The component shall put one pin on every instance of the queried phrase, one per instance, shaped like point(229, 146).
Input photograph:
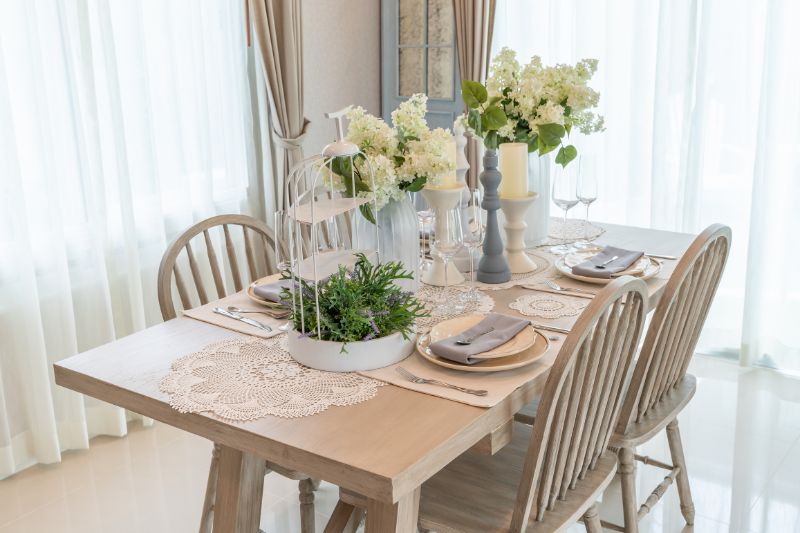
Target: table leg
point(240, 486)
point(400, 517)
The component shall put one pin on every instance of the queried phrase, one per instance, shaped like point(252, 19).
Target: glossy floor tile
point(741, 437)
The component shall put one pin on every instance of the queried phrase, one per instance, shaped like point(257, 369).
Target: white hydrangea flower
point(409, 117)
point(396, 155)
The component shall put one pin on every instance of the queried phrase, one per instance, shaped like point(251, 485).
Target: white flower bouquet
point(403, 158)
point(533, 104)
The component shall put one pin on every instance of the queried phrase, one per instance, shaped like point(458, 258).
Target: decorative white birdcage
point(316, 207)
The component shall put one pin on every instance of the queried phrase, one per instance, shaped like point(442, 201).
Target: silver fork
point(416, 379)
point(556, 287)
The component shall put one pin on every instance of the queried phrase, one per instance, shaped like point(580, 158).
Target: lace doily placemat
point(576, 231)
point(248, 378)
point(548, 305)
point(432, 296)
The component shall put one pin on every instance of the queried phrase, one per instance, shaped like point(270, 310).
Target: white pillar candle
point(514, 168)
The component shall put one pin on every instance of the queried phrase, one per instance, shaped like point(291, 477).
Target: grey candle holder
point(493, 267)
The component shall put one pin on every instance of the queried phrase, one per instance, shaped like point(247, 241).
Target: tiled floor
point(741, 434)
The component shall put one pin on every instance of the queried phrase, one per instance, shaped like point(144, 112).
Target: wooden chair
point(258, 244)
point(660, 387)
point(551, 474)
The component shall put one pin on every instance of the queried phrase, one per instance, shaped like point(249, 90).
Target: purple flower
point(374, 327)
point(369, 337)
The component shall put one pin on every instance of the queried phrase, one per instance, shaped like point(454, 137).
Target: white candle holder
point(514, 211)
point(442, 199)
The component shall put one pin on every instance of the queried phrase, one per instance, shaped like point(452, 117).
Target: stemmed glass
point(564, 196)
point(283, 247)
point(474, 232)
point(586, 193)
point(447, 242)
point(425, 219)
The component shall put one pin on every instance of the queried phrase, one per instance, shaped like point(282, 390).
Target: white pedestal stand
point(514, 211)
point(442, 200)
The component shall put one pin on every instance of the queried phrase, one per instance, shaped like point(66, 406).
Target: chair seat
point(656, 419)
point(478, 492)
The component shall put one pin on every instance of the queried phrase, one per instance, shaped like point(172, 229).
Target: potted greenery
point(366, 320)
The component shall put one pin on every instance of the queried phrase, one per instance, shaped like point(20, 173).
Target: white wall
point(341, 58)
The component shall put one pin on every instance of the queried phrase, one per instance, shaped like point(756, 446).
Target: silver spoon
point(468, 340)
point(604, 263)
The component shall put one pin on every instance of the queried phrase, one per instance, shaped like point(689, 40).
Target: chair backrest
point(678, 319)
point(582, 398)
point(258, 242)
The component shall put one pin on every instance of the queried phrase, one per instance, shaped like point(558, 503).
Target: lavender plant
point(358, 305)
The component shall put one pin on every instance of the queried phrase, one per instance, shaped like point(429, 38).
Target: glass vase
point(398, 231)
point(538, 215)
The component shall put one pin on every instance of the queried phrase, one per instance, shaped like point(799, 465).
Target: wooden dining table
point(384, 448)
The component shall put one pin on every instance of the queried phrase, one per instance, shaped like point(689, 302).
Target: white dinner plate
point(644, 268)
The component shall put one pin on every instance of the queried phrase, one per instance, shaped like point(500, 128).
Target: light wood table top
point(384, 448)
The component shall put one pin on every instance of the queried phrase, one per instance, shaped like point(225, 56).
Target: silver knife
point(240, 318)
point(549, 328)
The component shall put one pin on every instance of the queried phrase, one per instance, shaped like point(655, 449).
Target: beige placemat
point(205, 313)
point(499, 384)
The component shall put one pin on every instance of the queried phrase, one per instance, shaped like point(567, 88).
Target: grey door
point(418, 55)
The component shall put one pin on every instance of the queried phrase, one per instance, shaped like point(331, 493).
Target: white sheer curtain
point(122, 123)
point(702, 110)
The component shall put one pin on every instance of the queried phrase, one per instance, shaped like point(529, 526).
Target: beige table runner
point(205, 313)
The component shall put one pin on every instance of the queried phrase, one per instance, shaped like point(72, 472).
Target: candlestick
point(492, 267)
point(514, 168)
point(441, 199)
point(514, 210)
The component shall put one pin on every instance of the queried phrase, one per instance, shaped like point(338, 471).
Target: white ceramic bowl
point(362, 355)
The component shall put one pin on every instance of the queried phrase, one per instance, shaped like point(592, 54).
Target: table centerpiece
point(359, 319)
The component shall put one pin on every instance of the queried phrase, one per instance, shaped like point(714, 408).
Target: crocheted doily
point(548, 305)
point(246, 378)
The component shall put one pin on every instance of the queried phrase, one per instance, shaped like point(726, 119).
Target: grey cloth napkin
point(272, 291)
point(589, 267)
point(505, 328)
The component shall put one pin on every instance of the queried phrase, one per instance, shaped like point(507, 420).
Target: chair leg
point(306, 506)
point(591, 519)
point(207, 518)
point(627, 471)
point(682, 481)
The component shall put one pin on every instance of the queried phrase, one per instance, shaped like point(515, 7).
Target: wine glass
point(425, 219)
point(283, 248)
point(447, 242)
point(586, 193)
point(474, 232)
point(564, 195)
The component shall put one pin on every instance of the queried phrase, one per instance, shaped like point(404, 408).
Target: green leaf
point(493, 100)
point(551, 134)
point(566, 154)
point(533, 143)
point(545, 148)
point(568, 127)
point(494, 118)
point(474, 121)
point(474, 93)
point(366, 210)
point(416, 185)
point(491, 141)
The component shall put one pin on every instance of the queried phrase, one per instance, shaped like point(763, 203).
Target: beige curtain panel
point(279, 34)
point(474, 21)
